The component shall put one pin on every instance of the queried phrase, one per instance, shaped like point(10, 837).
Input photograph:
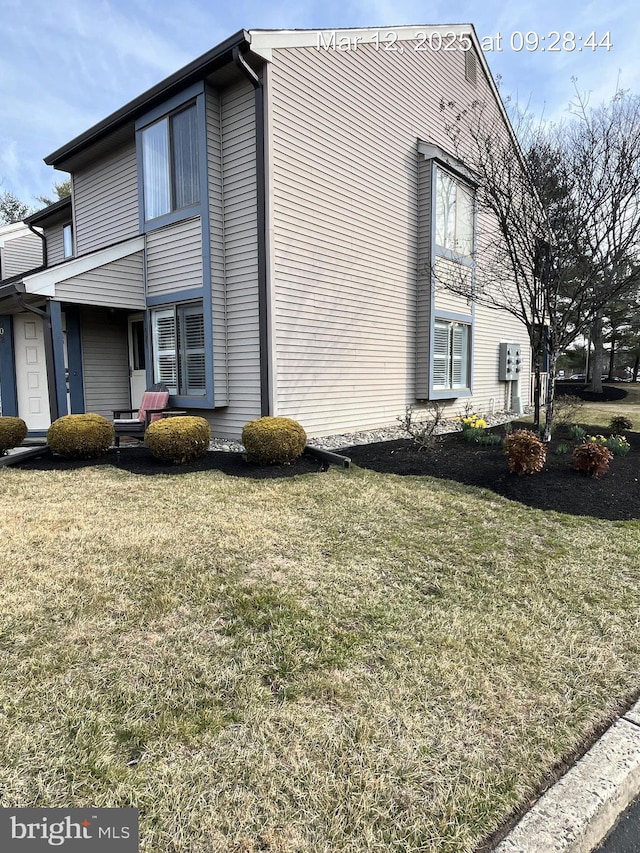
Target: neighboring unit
point(260, 232)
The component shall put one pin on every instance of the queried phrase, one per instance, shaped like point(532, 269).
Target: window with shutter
point(165, 350)
point(192, 350)
point(450, 355)
point(179, 355)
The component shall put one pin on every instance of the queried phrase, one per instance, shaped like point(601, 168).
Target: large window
point(178, 348)
point(451, 347)
point(170, 163)
point(454, 215)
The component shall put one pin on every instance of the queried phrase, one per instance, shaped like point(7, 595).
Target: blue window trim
point(195, 93)
point(54, 310)
point(74, 353)
point(207, 401)
point(176, 296)
point(451, 393)
point(7, 368)
point(439, 314)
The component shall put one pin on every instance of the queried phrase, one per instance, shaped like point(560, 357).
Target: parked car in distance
point(578, 377)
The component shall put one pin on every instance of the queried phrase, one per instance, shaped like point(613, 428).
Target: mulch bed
point(138, 460)
point(615, 496)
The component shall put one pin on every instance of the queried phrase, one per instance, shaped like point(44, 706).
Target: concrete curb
point(576, 813)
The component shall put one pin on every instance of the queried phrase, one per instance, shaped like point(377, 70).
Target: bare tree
point(566, 204)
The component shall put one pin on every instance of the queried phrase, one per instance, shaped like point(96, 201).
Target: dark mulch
point(615, 496)
point(138, 460)
point(610, 393)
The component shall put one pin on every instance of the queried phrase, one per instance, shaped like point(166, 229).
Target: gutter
point(44, 242)
point(261, 196)
point(196, 70)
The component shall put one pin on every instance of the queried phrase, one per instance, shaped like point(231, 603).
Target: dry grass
point(343, 662)
point(600, 414)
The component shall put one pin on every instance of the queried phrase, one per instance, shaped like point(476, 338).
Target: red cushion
point(152, 400)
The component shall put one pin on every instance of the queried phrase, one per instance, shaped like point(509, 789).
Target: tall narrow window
point(67, 240)
point(170, 163)
point(179, 348)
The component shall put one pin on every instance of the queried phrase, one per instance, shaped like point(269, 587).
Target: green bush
point(525, 453)
point(618, 445)
point(592, 458)
point(620, 424)
point(179, 439)
point(12, 433)
point(273, 441)
point(80, 436)
point(577, 433)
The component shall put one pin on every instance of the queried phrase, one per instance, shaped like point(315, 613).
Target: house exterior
point(260, 232)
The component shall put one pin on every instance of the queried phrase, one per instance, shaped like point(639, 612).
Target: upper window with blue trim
point(170, 158)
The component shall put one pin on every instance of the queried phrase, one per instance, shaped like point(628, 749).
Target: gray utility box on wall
point(510, 362)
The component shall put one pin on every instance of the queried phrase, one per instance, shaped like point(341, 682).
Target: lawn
point(339, 662)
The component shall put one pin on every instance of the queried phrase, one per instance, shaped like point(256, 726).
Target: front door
point(31, 371)
point(137, 358)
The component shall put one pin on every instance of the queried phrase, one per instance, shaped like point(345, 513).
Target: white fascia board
point(44, 283)
point(12, 231)
point(263, 42)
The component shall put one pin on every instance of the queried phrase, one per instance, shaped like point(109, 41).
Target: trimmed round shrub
point(273, 441)
point(525, 453)
point(80, 436)
point(178, 440)
point(592, 459)
point(12, 433)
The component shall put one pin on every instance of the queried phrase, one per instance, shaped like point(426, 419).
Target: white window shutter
point(193, 350)
point(165, 355)
point(441, 350)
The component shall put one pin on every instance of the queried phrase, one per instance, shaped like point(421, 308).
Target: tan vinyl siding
point(55, 244)
point(174, 258)
point(238, 146)
point(119, 284)
point(105, 361)
point(105, 201)
point(216, 220)
point(21, 254)
point(346, 227)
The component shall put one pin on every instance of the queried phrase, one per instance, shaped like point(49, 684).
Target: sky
point(66, 64)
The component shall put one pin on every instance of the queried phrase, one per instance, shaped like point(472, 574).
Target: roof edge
point(196, 69)
point(51, 210)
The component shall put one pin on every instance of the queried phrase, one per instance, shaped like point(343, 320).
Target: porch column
point(54, 316)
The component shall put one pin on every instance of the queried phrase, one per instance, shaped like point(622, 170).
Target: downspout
point(44, 243)
point(261, 195)
point(48, 353)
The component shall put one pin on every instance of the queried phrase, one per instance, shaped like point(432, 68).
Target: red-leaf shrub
point(592, 459)
point(525, 453)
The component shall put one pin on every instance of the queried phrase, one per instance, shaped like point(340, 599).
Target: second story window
point(67, 240)
point(454, 216)
point(170, 163)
